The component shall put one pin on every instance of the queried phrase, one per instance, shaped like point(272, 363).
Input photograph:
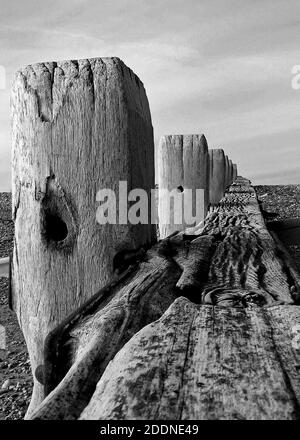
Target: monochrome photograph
point(149, 215)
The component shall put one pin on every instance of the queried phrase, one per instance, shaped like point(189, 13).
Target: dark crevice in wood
point(17, 202)
point(186, 359)
point(58, 224)
point(40, 374)
point(55, 228)
point(125, 258)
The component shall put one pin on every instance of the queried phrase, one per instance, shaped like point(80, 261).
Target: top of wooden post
point(49, 83)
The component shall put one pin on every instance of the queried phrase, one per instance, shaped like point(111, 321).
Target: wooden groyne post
point(183, 163)
point(227, 172)
point(202, 325)
point(217, 178)
point(78, 127)
point(230, 172)
point(234, 171)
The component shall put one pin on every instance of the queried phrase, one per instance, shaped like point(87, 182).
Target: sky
point(218, 67)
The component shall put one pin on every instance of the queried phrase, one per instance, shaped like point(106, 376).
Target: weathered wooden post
point(183, 164)
point(234, 172)
point(217, 177)
point(226, 172)
point(78, 127)
point(230, 171)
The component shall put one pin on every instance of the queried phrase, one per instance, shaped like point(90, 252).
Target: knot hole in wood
point(58, 225)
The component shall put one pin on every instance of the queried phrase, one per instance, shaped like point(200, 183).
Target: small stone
point(5, 384)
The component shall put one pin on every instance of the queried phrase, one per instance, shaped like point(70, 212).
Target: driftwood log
point(78, 127)
point(204, 327)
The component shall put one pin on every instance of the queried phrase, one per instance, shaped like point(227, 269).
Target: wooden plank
point(203, 362)
point(226, 348)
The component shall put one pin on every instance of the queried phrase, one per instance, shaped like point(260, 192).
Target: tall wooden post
point(183, 163)
point(230, 171)
point(78, 127)
point(226, 172)
point(217, 179)
point(234, 172)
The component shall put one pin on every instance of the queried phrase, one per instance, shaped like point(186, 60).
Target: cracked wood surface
point(217, 175)
point(182, 163)
point(202, 328)
point(70, 117)
point(202, 362)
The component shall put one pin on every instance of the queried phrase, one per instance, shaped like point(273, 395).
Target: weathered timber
point(183, 163)
point(217, 175)
point(203, 328)
point(234, 172)
point(78, 127)
point(227, 172)
point(230, 172)
point(200, 362)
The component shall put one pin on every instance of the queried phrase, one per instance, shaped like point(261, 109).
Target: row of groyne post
point(185, 162)
point(79, 127)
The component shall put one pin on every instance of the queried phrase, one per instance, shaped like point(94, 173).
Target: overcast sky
point(220, 67)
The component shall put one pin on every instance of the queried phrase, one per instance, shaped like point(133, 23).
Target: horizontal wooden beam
point(206, 326)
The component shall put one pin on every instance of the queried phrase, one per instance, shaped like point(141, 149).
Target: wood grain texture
point(183, 163)
point(230, 172)
point(204, 327)
point(78, 127)
point(226, 172)
point(234, 172)
point(205, 363)
point(217, 176)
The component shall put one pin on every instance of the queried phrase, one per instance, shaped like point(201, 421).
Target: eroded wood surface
point(70, 117)
point(217, 175)
point(183, 163)
point(203, 327)
point(203, 362)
